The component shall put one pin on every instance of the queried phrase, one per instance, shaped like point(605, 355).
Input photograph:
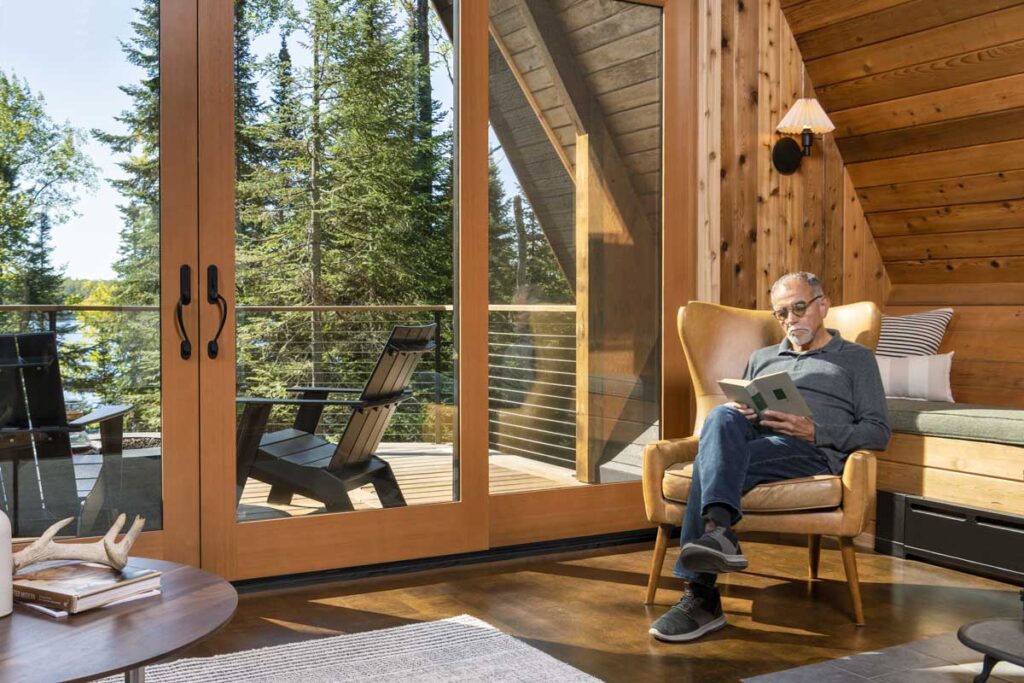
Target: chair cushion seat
point(822, 491)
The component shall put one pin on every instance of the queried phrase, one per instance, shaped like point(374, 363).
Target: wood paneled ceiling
point(928, 101)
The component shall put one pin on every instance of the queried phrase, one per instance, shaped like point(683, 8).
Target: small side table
point(1000, 640)
point(192, 605)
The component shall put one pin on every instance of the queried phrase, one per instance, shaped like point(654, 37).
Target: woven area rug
point(458, 649)
point(942, 659)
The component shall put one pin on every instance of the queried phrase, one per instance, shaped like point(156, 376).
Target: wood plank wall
point(928, 101)
point(769, 223)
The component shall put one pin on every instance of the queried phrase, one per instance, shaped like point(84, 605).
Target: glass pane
point(79, 264)
point(344, 140)
point(575, 233)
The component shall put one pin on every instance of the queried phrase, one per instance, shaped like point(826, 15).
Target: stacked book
point(62, 588)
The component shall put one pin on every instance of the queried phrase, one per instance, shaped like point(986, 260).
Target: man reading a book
point(840, 382)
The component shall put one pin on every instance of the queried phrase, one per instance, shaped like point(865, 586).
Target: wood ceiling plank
point(997, 156)
point(947, 72)
point(647, 41)
point(987, 187)
point(976, 33)
point(814, 14)
point(997, 126)
point(631, 96)
point(588, 12)
point(955, 218)
point(972, 319)
point(633, 19)
point(973, 244)
point(1007, 270)
point(990, 294)
point(623, 75)
point(891, 22)
point(941, 105)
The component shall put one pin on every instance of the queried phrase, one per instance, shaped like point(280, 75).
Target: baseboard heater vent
point(977, 541)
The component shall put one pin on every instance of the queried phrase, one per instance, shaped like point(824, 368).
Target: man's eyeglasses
point(799, 309)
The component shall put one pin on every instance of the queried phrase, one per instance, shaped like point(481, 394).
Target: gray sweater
point(842, 386)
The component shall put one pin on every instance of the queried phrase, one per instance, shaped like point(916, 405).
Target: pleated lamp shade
point(805, 114)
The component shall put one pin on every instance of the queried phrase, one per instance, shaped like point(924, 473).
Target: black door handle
point(184, 299)
point(213, 296)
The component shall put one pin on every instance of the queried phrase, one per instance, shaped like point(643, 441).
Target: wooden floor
point(586, 609)
point(425, 475)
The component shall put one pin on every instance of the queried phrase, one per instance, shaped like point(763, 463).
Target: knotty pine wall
point(755, 223)
point(928, 101)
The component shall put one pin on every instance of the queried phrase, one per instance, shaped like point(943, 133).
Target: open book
point(767, 392)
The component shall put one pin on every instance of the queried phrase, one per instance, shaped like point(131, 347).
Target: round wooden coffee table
point(193, 604)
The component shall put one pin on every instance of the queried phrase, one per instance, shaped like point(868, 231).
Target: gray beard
point(800, 338)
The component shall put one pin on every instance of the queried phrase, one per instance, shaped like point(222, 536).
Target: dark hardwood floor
point(586, 609)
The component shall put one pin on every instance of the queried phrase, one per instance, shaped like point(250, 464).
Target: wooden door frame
point(534, 516)
point(178, 539)
point(317, 542)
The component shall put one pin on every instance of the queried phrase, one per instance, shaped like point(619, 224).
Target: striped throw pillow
point(921, 377)
point(916, 334)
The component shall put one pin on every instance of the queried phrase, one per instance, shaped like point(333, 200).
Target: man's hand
point(746, 411)
point(789, 424)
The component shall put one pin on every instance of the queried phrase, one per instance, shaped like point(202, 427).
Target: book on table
point(79, 586)
point(767, 392)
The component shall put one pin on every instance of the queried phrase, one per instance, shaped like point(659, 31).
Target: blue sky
point(68, 50)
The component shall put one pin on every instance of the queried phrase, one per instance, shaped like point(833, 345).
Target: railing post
point(438, 412)
point(52, 315)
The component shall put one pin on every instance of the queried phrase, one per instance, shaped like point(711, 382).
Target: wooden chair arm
point(324, 390)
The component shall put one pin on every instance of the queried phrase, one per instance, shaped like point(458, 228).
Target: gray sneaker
point(691, 618)
point(716, 552)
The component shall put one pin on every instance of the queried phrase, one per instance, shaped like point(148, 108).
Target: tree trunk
point(314, 236)
point(517, 206)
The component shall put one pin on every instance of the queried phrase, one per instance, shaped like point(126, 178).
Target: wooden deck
point(425, 474)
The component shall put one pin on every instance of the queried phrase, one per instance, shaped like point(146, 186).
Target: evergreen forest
point(344, 196)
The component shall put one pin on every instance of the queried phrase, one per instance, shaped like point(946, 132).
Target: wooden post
point(588, 212)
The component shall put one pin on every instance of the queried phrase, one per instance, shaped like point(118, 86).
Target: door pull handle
point(184, 299)
point(214, 296)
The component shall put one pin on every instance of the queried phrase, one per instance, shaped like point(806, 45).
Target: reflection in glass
point(575, 232)
point(343, 248)
point(79, 265)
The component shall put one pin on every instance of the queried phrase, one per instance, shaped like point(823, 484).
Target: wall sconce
point(805, 118)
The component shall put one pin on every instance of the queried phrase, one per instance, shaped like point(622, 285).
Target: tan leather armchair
point(717, 341)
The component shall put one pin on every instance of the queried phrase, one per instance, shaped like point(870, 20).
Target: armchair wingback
point(717, 341)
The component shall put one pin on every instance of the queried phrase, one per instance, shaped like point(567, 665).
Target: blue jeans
point(735, 456)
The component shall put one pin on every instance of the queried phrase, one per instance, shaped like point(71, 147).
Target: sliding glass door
point(98, 411)
point(330, 251)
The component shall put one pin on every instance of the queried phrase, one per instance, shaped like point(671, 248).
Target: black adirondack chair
point(298, 461)
point(39, 484)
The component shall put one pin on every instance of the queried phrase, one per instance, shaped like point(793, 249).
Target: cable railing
point(111, 354)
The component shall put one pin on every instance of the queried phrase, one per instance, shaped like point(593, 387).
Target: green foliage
point(344, 195)
point(41, 169)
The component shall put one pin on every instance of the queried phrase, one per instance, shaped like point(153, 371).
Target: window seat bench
point(961, 453)
point(951, 487)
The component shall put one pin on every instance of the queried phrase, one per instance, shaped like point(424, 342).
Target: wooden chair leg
point(660, 546)
point(813, 554)
point(850, 564)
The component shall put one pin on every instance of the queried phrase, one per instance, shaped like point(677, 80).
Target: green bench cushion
point(957, 421)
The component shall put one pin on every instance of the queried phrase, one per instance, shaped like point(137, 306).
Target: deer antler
point(104, 551)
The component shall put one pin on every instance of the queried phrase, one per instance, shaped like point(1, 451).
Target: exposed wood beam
point(583, 108)
point(532, 100)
